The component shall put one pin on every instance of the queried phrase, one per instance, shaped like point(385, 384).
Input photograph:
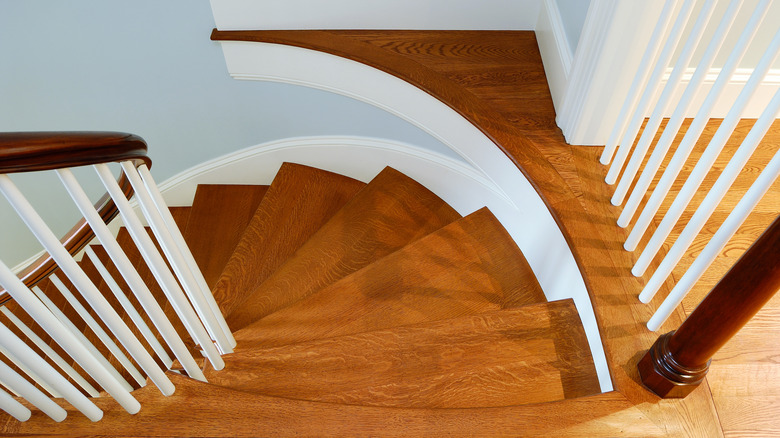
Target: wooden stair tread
point(211, 234)
point(533, 354)
point(388, 213)
point(181, 215)
point(199, 409)
point(298, 202)
point(470, 266)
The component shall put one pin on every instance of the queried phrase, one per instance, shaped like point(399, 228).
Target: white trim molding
point(554, 47)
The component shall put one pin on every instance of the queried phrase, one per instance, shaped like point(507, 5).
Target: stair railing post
point(678, 361)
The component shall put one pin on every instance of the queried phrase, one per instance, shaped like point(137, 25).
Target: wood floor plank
point(213, 411)
point(468, 267)
point(181, 215)
point(298, 202)
point(211, 233)
point(390, 212)
point(500, 358)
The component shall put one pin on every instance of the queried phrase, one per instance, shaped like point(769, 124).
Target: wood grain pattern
point(468, 267)
point(387, 214)
point(211, 234)
point(213, 411)
point(298, 202)
point(501, 358)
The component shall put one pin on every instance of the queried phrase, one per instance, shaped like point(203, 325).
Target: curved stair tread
point(387, 214)
point(211, 234)
point(298, 202)
point(533, 354)
point(200, 409)
point(470, 266)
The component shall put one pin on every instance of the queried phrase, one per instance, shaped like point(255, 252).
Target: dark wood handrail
point(33, 151)
point(678, 361)
point(36, 151)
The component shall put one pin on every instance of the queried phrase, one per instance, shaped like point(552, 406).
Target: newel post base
point(663, 375)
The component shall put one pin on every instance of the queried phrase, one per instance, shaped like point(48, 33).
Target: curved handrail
point(37, 151)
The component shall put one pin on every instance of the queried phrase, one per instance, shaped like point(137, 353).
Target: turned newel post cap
point(664, 376)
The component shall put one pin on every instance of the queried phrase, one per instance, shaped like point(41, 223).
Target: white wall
point(573, 13)
point(376, 14)
point(148, 67)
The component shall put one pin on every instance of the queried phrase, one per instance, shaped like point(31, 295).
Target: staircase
point(359, 309)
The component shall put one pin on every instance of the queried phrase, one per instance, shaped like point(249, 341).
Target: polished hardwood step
point(470, 266)
point(298, 202)
point(211, 234)
point(533, 354)
point(200, 409)
point(387, 214)
point(181, 215)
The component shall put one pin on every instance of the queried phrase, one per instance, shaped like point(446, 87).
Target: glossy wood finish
point(33, 151)
point(678, 361)
point(496, 80)
point(213, 411)
point(470, 266)
point(211, 234)
point(390, 212)
point(501, 358)
point(299, 201)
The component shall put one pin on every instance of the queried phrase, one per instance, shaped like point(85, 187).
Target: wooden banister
point(678, 361)
point(37, 151)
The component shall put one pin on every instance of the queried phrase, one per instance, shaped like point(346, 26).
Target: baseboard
point(557, 55)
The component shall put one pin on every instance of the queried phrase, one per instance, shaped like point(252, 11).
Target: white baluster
point(99, 332)
point(159, 268)
point(31, 373)
point(717, 242)
point(31, 360)
point(707, 159)
point(12, 380)
point(13, 407)
point(176, 258)
point(49, 352)
point(694, 130)
point(189, 259)
point(713, 198)
point(651, 127)
point(640, 79)
point(81, 339)
point(627, 141)
point(134, 281)
point(84, 285)
point(128, 307)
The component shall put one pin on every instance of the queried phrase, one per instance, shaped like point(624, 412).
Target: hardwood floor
point(496, 80)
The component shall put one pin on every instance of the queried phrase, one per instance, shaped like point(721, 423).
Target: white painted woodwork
point(50, 353)
point(22, 295)
point(190, 265)
point(31, 360)
point(29, 392)
point(134, 281)
point(159, 268)
point(13, 407)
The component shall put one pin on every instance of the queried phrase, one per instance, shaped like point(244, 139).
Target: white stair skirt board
point(512, 198)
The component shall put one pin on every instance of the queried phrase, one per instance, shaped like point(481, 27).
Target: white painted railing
point(40, 374)
point(634, 150)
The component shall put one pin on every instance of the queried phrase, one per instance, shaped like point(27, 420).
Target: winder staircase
point(362, 309)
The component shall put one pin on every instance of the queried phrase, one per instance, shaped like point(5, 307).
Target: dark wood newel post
point(678, 361)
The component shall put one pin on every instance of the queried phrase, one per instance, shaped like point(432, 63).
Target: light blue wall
point(148, 67)
point(573, 14)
